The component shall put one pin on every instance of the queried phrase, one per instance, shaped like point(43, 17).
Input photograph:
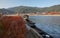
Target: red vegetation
point(51, 13)
point(54, 13)
point(14, 27)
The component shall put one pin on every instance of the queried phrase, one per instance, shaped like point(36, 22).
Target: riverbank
point(28, 14)
point(44, 15)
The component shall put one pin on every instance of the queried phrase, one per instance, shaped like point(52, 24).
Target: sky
point(32, 3)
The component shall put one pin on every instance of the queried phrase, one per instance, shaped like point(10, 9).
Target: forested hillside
point(27, 9)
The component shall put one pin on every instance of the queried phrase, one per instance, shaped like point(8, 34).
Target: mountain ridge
point(28, 9)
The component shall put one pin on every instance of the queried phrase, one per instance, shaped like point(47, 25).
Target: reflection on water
point(50, 24)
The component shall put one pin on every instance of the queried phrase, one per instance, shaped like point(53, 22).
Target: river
point(49, 24)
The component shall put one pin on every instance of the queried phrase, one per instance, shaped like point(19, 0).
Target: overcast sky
point(33, 3)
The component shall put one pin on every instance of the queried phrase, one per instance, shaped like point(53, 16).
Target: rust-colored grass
point(14, 27)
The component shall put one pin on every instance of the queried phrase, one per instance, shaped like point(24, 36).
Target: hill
point(27, 9)
point(6, 11)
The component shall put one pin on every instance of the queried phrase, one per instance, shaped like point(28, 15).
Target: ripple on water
point(50, 24)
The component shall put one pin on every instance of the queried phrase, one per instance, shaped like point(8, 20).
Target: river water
point(49, 24)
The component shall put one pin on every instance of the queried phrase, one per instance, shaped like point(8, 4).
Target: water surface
point(50, 24)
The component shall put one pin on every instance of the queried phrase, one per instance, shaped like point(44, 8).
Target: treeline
point(27, 9)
